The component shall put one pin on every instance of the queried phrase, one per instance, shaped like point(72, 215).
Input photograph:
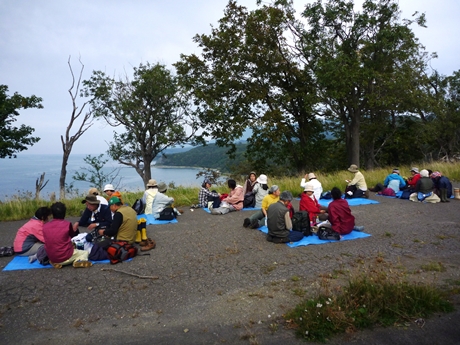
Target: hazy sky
point(37, 37)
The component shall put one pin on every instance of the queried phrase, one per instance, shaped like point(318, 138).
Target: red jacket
point(340, 217)
point(412, 181)
point(58, 244)
point(310, 205)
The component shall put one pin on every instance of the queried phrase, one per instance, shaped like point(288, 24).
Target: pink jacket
point(28, 234)
point(236, 198)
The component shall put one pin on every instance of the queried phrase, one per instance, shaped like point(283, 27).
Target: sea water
point(19, 175)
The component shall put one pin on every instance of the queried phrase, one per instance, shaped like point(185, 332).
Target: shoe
point(254, 225)
point(358, 228)
point(366, 194)
point(56, 265)
point(82, 263)
point(246, 222)
point(9, 251)
point(2, 251)
point(143, 243)
point(150, 245)
point(215, 212)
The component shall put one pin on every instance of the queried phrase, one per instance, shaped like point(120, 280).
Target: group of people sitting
point(276, 209)
point(423, 186)
point(49, 238)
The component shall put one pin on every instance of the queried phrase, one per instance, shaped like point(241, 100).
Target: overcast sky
point(38, 36)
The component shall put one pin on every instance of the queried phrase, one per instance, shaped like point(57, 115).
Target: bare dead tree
point(85, 118)
point(39, 185)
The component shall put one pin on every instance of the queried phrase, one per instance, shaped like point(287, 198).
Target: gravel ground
point(217, 282)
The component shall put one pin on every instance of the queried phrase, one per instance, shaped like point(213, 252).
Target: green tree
point(368, 66)
point(152, 110)
point(14, 139)
point(94, 174)
point(249, 75)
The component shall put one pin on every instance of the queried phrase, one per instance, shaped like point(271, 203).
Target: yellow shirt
point(268, 200)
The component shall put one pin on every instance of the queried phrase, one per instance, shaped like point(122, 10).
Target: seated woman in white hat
point(318, 187)
point(149, 195)
point(260, 190)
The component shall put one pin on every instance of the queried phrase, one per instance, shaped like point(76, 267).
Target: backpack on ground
point(326, 233)
point(326, 195)
point(120, 251)
point(139, 206)
point(249, 200)
point(167, 214)
point(301, 222)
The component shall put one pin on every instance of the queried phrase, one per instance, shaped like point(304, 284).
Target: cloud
point(38, 36)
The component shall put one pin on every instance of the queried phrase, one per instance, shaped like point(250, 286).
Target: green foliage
point(14, 139)
point(375, 297)
point(96, 176)
point(152, 110)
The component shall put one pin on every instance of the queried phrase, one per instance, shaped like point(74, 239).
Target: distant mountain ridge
point(209, 156)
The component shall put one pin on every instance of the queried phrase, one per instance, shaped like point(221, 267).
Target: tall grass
point(24, 207)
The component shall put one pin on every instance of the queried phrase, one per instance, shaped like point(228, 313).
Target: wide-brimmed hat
point(311, 175)
point(152, 183)
point(93, 191)
point(262, 179)
point(91, 199)
point(108, 187)
point(353, 168)
point(414, 169)
point(309, 187)
point(114, 200)
point(396, 170)
point(162, 187)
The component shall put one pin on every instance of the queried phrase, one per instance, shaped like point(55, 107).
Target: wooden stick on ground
point(131, 274)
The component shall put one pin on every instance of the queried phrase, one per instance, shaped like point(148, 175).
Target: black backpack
point(167, 214)
point(326, 233)
point(139, 206)
point(249, 200)
point(301, 222)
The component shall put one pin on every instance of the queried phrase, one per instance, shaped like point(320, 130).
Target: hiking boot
point(246, 222)
point(149, 246)
point(82, 264)
point(358, 228)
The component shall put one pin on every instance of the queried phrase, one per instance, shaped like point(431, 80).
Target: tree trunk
point(65, 159)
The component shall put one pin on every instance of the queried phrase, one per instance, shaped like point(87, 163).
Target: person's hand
point(322, 211)
point(92, 226)
point(101, 232)
point(75, 226)
point(306, 176)
point(266, 221)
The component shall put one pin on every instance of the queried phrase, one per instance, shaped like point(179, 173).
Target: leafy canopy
point(15, 139)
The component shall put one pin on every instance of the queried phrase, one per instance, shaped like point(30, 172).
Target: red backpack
point(120, 251)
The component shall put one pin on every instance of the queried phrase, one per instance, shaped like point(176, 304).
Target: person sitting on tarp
point(424, 189)
point(29, 237)
point(311, 177)
point(149, 195)
point(260, 190)
point(234, 200)
point(205, 195)
point(340, 218)
point(162, 201)
point(258, 219)
point(442, 186)
point(357, 187)
point(279, 222)
point(309, 203)
point(95, 215)
point(110, 191)
point(412, 181)
point(393, 181)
